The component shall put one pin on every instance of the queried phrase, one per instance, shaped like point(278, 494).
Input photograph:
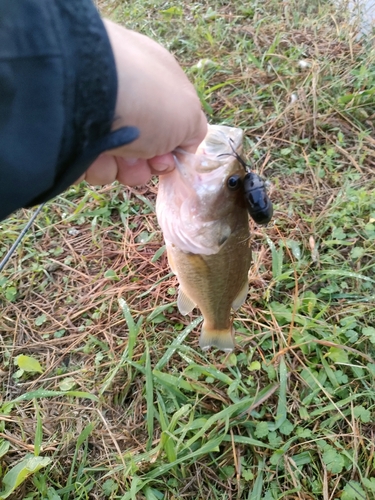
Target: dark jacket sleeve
point(58, 87)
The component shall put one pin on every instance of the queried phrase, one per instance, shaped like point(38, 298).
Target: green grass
point(123, 404)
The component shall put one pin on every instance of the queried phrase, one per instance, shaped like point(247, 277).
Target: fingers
point(135, 172)
point(102, 171)
point(108, 168)
point(132, 172)
point(161, 164)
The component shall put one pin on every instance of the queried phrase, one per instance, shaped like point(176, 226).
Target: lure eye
point(234, 182)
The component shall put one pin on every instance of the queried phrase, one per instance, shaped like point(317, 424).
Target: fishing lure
point(258, 203)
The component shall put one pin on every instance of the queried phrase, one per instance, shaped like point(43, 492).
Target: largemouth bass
point(201, 209)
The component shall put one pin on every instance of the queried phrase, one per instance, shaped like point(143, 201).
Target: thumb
point(161, 164)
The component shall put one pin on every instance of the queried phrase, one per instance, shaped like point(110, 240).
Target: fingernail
point(162, 167)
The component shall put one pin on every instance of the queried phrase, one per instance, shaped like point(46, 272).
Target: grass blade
point(82, 438)
point(127, 355)
point(149, 398)
point(281, 407)
point(256, 492)
point(176, 343)
point(38, 430)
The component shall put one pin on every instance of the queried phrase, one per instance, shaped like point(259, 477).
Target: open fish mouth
point(203, 171)
point(212, 152)
point(218, 142)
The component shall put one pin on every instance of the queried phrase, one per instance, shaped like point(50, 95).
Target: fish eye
point(234, 182)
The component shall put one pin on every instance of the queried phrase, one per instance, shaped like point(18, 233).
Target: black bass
point(201, 209)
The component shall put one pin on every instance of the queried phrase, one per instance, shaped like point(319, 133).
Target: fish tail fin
point(222, 339)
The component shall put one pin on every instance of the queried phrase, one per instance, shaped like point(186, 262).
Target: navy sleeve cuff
point(58, 89)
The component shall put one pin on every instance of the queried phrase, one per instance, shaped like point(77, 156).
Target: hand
point(155, 95)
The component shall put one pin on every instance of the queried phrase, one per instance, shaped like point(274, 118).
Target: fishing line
point(5, 260)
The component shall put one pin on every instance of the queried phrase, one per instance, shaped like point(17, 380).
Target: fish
point(201, 209)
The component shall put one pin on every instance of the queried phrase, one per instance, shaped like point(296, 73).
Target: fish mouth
point(213, 158)
point(189, 164)
point(221, 141)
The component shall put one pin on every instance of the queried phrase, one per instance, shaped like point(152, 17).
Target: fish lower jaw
point(192, 245)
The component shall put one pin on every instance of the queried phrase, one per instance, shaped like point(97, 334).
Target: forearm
point(58, 90)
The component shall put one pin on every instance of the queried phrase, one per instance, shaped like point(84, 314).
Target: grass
point(105, 393)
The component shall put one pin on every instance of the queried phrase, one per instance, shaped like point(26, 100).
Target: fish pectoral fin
point(184, 303)
point(222, 339)
point(241, 297)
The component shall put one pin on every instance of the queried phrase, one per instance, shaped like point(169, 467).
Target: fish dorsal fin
point(184, 303)
point(241, 297)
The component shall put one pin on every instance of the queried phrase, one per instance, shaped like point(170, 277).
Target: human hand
point(154, 95)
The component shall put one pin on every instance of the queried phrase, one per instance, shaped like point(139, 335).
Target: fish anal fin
point(241, 297)
point(184, 303)
point(222, 339)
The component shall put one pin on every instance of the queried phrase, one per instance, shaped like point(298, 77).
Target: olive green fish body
point(214, 283)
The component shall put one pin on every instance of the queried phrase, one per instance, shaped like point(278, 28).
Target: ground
point(105, 393)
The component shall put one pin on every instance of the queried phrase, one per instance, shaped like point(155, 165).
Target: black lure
point(258, 203)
